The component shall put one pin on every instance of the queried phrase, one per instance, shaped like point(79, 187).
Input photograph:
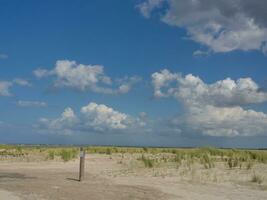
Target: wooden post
point(82, 159)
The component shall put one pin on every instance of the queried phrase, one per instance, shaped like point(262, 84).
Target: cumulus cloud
point(224, 121)
point(102, 117)
point(192, 90)
point(222, 25)
point(214, 109)
point(161, 80)
point(64, 124)
point(84, 77)
point(93, 118)
point(31, 104)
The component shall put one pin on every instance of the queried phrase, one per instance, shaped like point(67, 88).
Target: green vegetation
point(51, 155)
point(108, 151)
point(149, 163)
point(206, 160)
point(68, 154)
point(233, 162)
point(37, 153)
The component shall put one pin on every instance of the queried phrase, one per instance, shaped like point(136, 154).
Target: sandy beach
point(107, 177)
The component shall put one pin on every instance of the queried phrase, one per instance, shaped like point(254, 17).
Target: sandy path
point(197, 191)
point(52, 181)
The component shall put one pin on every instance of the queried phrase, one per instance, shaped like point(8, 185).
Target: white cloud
point(84, 77)
point(199, 53)
point(214, 109)
point(6, 85)
point(101, 117)
point(192, 90)
point(127, 83)
point(222, 25)
point(71, 74)
point(62, 125)
point(4, 88)
point(94, 118)
point(226, 121)
point(161, 80)
point(22, 82)
point(40, 73)
point(148, 6)
point(31, 104)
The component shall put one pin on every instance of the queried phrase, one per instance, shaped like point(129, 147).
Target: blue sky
point(127, 42)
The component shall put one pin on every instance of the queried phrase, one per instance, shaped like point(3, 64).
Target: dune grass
point(148, 162)
point(207, 156)
point(68, 154)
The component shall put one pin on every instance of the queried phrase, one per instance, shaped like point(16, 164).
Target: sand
point(107, 178)
point(5, 195)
